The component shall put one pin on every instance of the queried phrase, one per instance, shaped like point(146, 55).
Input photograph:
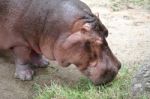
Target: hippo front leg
point(22, 61)
point(38, 60)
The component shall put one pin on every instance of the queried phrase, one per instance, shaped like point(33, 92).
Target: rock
point(141, 81)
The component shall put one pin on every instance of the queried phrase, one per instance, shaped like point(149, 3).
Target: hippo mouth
point(101, 77)
point(107, 78)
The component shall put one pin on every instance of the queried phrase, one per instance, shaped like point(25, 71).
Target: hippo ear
point(86, 27)
point(97, 15)
point(72, 39)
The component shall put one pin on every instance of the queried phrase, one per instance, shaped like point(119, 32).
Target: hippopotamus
point(65, 31)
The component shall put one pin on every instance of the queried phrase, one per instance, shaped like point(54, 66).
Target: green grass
point(84, 89)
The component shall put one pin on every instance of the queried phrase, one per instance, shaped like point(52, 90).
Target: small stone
point(147, 87)
point(148, 84)
point(138, 86)
point(147, 74)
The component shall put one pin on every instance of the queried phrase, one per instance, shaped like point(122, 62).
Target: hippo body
point(27, 20)
point(62, 30)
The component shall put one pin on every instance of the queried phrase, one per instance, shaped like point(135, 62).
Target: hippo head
point(88, 49)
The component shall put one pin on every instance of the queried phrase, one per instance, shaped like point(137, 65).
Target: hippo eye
point(94, 56)
point(87, 46)
point(105, 32)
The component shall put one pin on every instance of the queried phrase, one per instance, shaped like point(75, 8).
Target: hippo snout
point(107, 75)
point(101, 75)
point(106, 78)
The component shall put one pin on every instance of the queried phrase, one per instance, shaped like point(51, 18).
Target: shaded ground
point(129, 39)
point(11, 88)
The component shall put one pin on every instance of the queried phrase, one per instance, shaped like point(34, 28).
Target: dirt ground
point(129, 39)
